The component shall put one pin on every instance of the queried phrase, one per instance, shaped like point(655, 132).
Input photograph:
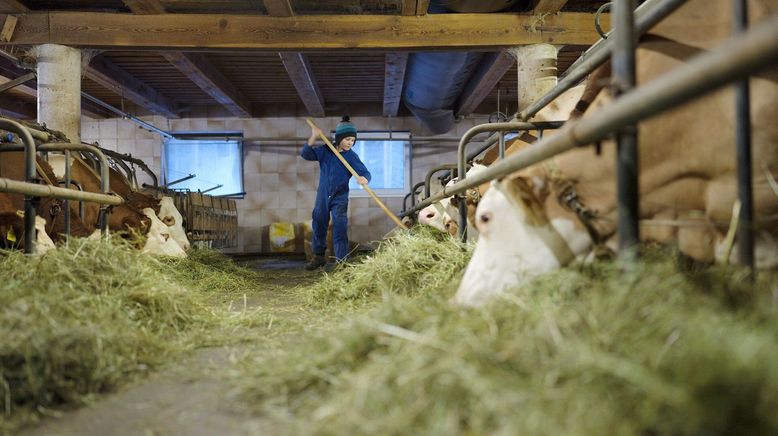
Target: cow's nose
point(166, 236)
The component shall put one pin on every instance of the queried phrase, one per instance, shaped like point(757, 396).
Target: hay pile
point(585, 351)
point(420, 262)
point(84, 319)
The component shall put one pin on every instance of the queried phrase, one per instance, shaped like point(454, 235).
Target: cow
point(128, 215)
point(687, 175)
point(443, 215)
point(12, 227)
point(158, 238)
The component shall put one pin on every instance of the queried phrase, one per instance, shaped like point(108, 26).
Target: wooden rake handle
point(354, 173)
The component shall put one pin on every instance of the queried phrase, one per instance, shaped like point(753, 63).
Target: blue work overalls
point(332, 197)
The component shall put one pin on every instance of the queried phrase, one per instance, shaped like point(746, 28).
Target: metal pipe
point(81, 208)
point(125, 115)
point(745, 232)
point(211, 189)
point(29, 175)
point(501, 146)
point(36, 190)
point(67, 202)
point(134, 160)
point(104, 170)
point(182, 179)
point(413, 192)
point(434, 170)
point(488, 127)
point(627, 165)
point(405, 201)
point(647, 16)
point(736, 58)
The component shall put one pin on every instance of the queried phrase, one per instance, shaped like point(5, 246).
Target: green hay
point(420, 262)
point(86, 318)
point(588, 351)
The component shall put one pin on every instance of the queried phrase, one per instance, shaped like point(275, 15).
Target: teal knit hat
point(345, 129)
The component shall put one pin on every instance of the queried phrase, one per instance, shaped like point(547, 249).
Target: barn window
point(214, 160)
point(387, 159)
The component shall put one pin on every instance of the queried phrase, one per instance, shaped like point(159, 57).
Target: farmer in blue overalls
point(332, 195)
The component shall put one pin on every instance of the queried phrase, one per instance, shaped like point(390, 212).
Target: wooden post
point(354, 173)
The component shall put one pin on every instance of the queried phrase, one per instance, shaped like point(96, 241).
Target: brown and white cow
point(687, 173)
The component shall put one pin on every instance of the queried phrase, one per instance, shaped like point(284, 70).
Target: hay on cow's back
point(585, 351)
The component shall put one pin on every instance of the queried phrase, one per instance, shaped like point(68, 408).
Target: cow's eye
point(431, 215)
point(485, 217)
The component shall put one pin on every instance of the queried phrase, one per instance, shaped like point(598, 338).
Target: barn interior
point(210, 103)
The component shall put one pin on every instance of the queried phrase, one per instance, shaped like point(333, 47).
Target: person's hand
point(362, 180)
point(315, 135)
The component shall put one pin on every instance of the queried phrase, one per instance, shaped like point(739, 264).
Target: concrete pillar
point(537, 72)
point(59, 89)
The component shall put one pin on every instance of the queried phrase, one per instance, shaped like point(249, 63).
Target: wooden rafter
point(303, 32)
point(200, 71)
point(393, 82)
point(492, 68)
point(197, 68)
point(299, 71)
point(547, 6)
point(109, 75)
point(145, 6)
point(10, 6)
point(17, 108)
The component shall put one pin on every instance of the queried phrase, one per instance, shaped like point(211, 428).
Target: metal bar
point(745, 232)
point(434, 170)
point(125, 115)
point(501, 146)
point(211, 189)
point(488, 127)
point(104, 170)
point(67, 202)
point(134, 160)
point(17, 81)
point(81, 209)
point(29, 175)
point(36, 190)
point(646, 17)
point(627, 165)
point(735, 59)
point(405, 201)
point(182, 179)
point(414, 192)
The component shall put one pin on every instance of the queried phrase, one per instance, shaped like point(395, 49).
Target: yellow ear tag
point(11, 236)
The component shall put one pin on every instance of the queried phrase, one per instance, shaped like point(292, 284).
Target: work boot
point(316, 262)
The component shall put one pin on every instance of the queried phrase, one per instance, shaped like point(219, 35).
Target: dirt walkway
point(193, 397)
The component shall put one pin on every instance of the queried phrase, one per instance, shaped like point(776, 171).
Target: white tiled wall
point(279, 184)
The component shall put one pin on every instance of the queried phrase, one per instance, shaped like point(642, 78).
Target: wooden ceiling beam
point(547, 6)
point(11, 6)
point(394, 77)
point(111, 76)
point(302, 32)
point(197, 68)
point(299, 71)
point(146, 7)
point(17, 107)
point(489, 72)
point(200, 71)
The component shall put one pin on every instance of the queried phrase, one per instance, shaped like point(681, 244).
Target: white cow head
point(158, 238)
point(172, 218)
point(435, 215)
point(516, 242)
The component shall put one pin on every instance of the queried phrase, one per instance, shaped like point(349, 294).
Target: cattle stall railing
point(501, 128)
point(647, 16)
point(105, 185)
point(121, 157)
point(208, 220)
point(733, 60)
